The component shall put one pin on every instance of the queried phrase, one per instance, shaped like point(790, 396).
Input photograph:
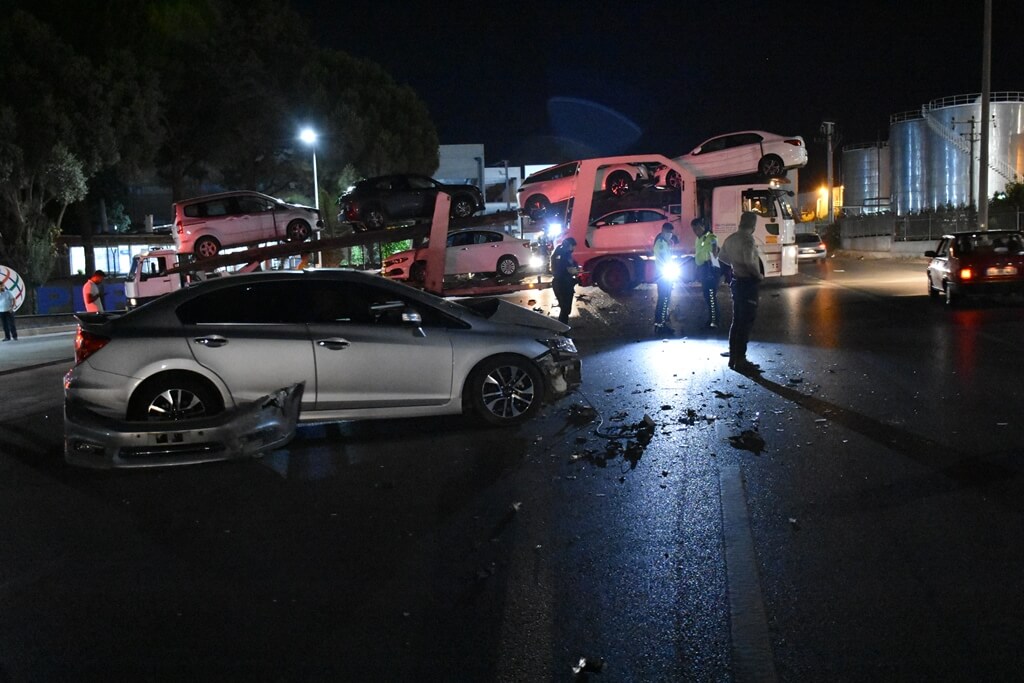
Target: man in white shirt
point(92, 293)
point(7, 314)
point(739, 251)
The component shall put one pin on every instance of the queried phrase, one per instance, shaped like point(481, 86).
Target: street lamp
point(308, 135)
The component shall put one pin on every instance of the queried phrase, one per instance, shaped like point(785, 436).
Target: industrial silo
point(866, 178)
point(908, 154)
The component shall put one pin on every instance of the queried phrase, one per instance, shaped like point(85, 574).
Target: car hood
point(504, 312)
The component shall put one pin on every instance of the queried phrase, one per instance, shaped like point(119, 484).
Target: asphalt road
point(852, 514)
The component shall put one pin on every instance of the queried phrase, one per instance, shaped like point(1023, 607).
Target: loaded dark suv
point(375, 202)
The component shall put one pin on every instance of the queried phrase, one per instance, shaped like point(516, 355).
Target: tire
point(505, 390)
point(206, 247)
point(771, 166)
point(537, 207)
point(932, 292)
point(619, 183)
point(673, 181)
point(374, 218)
point(462, 207)
point(952, 298)
point(298, 231)
point(613, 278)
point(507, 266)
point(418, 271)
point(174, 396)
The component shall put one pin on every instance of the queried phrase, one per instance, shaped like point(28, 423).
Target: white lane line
point(752, 657)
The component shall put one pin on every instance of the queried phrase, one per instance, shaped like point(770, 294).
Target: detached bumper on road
point(91, 440)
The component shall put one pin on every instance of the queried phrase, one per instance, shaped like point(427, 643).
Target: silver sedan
point(363, 347)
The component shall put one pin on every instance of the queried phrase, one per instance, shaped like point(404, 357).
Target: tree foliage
point(214, 92)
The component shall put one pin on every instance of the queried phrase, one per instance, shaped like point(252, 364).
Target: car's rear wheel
point(613, 277)
point(174, 396)
point(462, 207)
point(505, 390)
point(374, 218)
point(672, 180)
point(418, 271)
point(952, 298)
point(771, 166)
point(507, 265)
point(298, 231)
point(619, 183)
point(206, 247)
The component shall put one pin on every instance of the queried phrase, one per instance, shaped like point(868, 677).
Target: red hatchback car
point(977, 263)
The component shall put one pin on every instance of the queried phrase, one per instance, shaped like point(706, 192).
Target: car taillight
point(87, 343)
point(181, 228)
point(966, 274)
point(794, 141)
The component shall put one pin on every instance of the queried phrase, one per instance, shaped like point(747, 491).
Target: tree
point(56, 131)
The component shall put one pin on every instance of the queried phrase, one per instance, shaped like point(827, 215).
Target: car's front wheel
point(619, 183)
point(505, 390)
point(174, 396)
point(462, 207)
point(537, 207)
point(206, 247)
point(298, 231)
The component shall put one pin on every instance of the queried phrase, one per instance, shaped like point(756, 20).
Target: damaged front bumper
point(248, 431)
point(562, 376)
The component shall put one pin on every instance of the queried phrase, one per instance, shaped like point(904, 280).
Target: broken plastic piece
point(588, 666)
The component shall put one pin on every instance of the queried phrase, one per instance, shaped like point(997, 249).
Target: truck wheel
point(507, 265)
point(206, 247)
point(771, 166)
point(373, 217)
point(462, 207)
point(298, 231)
point(173, 396)
point(537, 207)
point(619, 183)
point(613, 277)
point(505, 390)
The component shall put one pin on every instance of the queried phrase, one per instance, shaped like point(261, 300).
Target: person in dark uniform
point(564, 270)
point(663, 255)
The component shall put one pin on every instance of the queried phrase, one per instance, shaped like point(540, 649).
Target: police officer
point(708, 271)
point(662, 257)
point(563, 277)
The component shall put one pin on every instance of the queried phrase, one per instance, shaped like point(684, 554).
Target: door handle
point(335, 344)
point(212, 342)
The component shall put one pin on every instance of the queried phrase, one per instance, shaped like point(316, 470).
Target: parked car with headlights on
point(467, 252)
point(373, 203)
point(976, 263)
point(205, 225)
point(365, 347)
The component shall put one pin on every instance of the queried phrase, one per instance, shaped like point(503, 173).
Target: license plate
point(1005, 270)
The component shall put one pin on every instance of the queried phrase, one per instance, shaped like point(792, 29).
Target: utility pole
point(986, 78)
point(829, 128)
point(972, 137)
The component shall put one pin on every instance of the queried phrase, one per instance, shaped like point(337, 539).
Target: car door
point(938, 267)
point(368, 357)
point(422, 196)
point(253, 336)
point(257, 214)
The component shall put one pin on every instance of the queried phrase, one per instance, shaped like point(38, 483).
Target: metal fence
point(924, 227)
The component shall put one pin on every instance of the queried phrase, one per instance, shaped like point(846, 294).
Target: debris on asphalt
point(580, 414)
point(588, 666)
point(748, 440)
point(793, 523)
point(724, 394)
point(796, 380)
point(666, 407)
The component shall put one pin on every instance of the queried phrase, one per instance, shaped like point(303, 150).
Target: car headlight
point(560, 345)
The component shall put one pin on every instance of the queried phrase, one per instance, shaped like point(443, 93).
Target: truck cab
point(148, 277)
point(775, 230)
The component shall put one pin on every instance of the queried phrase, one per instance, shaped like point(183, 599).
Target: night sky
point(639, 77)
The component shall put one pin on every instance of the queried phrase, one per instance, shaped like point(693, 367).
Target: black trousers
point(661, 312)
point(10, 327)
point(745, 294)
point(709, 277)
point(564, 291)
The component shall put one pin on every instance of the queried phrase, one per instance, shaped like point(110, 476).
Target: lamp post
point(308, 136)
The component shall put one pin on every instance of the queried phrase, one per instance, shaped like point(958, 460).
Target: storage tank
point(931, 151)
point(907, 155)
point(866, 178)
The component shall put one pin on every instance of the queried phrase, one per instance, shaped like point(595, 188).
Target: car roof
point(222, 195)
point(999, 231)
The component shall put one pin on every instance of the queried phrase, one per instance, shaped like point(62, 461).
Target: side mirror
point(930, 253)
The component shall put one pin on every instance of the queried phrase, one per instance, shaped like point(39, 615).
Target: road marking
point(752, 657)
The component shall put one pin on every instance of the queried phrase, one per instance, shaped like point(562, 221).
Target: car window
point(487, 237)
point(745, 139)
point(252, 303)
point(647, 216)
point(460, 239)
point(716, 145)
point(216, 207)
point(555, 173)
point(420, 183)
point(252, 205)
point(942, 251)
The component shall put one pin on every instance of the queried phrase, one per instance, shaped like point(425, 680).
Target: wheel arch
point(466, 395)
point(162, 372)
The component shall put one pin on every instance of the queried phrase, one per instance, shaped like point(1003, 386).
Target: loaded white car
point(742, 153)
point(205, 225)
point(468, 251)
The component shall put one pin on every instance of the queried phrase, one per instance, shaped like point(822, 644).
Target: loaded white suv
point(205, 225)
